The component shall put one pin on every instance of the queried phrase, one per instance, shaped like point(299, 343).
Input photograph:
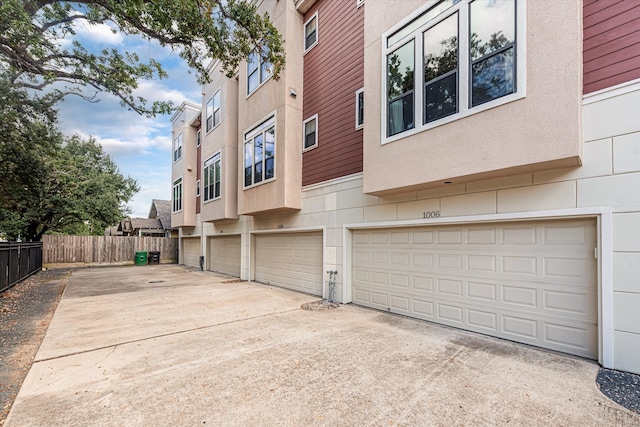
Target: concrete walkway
point(166, 345)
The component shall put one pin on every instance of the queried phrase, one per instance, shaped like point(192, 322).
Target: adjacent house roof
point(161, 209)
point(112, 231)
point(145, 223)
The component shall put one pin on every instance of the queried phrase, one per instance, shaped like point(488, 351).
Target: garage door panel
point(225, 254)
point(484, 320)
point(535, 283)
point(292, 261)
point(482, 291)
point(191, 249)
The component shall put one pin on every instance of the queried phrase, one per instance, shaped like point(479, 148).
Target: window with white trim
point(359, 108)
point(311, 32)
point(177, 195)
point(198, 188)
point(177, 147)
point(259, 153)
point(212, 178)
point(310, 133)
point(198, 138)
point(212, 111)
point(258, 71)
point(464, 52)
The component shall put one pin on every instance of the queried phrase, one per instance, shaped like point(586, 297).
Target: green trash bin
point(141, 258)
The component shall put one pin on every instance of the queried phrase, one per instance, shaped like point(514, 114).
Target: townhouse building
point(472, 163)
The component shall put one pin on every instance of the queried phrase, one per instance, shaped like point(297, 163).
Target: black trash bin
point(154, 257)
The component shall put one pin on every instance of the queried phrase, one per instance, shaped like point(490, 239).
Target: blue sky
point(141, 147)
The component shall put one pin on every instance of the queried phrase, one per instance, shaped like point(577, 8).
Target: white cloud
point(140, 146)
point(100, 34)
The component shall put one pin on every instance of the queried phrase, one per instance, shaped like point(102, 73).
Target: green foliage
point(50, 184)
point(30, 31)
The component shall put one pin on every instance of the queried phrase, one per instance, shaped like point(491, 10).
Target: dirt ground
point(25, 313)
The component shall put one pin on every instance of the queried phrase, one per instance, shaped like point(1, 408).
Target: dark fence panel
point(18, 260)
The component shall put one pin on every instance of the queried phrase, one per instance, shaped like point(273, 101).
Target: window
point(310, 133)
point(213, 111)
point(198, 188)
point(258, 71)
point(359, 108)
point(259, 153)
point(466, 52)
point(198, 138)
point(177, 147)
point(400, 89)
point(212, 178)
point(177, 195)
point(311, 32)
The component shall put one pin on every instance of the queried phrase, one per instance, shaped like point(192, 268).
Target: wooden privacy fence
point(105, 249)
point(18, 260)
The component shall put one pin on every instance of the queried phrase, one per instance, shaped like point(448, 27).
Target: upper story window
point(177, 147)
point(259, 153)
point(359, 108)
point(198, 188)
point(310, 133)
point(311, 32)
point(212, 178)
point(212, 111)
point(468, 57)
point(177, 195)
point(198, 138)
point(258, 71)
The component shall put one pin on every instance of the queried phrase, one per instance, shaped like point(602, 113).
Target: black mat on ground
point(621, 387)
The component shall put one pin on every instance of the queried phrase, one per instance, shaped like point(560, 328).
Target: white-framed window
point(260, 153)
point(452, 59)
point(311, 32)
point(359, 108)
point(198, 188)
point(177, 195)
point(212, 112)
point(177, 147)
point(310, 133)
point(212, 177)
point(258, 71)
point(198, 138)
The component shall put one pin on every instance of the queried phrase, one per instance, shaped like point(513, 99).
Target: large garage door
point(224, 255)
point(191, 251)
point(292, 261)
point(531, 282)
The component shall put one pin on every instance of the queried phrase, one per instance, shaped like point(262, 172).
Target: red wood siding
point(333, 72)
point(611, 51)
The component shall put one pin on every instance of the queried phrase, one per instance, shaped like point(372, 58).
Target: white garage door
point(224, 255)
point(292, 261)
point(531, 282)
point(191, 251)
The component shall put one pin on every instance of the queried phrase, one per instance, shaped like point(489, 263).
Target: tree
point(49, 183)
point(31, 52)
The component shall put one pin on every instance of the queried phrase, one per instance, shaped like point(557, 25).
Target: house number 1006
point(432, 214)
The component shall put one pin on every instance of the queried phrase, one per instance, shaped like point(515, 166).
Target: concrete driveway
point(167, 345)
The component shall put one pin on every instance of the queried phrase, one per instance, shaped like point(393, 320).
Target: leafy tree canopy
point(50, 183)
point(32, 54)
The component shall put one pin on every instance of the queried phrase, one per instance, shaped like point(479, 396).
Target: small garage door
point(531, 282)
point(191, 251)
point(224, 255)
point(292, 261)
